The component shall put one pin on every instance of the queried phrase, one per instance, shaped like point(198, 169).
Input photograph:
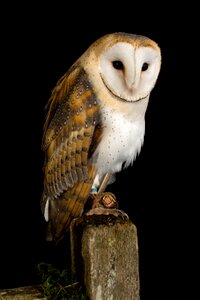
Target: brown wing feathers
point(70, 123)
point(69, 206)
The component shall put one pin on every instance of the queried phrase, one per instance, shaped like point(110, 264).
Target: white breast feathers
point(121, 142)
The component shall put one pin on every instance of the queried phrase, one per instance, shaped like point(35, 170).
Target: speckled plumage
point(95, 123)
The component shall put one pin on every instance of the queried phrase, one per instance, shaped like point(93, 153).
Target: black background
point(40, 45)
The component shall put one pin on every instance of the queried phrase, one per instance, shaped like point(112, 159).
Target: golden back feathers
point(70, 123)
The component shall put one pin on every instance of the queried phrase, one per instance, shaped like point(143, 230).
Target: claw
point(103, 204)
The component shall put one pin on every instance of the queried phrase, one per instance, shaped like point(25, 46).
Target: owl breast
point(121, 141)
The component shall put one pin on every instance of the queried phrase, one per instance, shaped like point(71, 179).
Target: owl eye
point(145, 66)
point(117, 64)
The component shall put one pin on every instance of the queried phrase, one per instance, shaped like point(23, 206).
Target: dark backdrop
point(40, 45)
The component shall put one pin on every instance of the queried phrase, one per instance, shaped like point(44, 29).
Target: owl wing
point(70, 132)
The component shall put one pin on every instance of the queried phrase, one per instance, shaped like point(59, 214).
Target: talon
point(101, 200)
point(103, 204)
point(122, 214)
point(107, 211)
point(98, 211)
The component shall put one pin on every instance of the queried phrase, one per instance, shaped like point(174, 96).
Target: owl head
point(127, 65)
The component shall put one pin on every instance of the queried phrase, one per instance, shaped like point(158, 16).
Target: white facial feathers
point(129, 72)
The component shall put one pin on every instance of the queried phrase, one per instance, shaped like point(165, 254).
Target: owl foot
point(101, 200)
point(107, 211)
point(103, 204)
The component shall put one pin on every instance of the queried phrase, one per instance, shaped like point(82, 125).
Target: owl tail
point(70, 205)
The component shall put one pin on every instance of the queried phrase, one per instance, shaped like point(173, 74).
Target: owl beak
point(130, 84)
point(130, 76)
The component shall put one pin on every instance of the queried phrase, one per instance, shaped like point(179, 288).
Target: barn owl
point(95, 123)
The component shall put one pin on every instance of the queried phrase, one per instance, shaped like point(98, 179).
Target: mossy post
point(104, 252)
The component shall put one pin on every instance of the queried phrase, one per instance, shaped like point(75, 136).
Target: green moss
point(60, 284)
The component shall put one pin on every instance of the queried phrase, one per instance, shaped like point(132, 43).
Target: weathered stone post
point(105, 254)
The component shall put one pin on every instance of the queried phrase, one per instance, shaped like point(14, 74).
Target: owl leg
point(99, 187)
point(104, 182)
point(96, 194)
